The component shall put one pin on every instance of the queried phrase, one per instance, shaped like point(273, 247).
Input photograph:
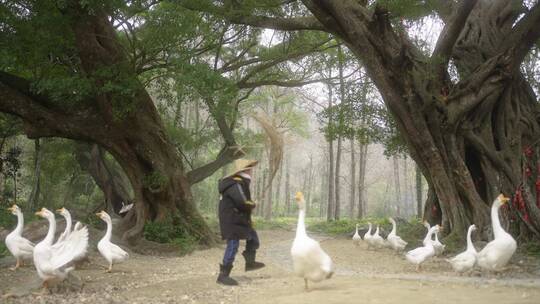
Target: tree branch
point(239, 17)
point(279, 83)
point(284, 57)
point(227, 154)
point(40, 118)
point(524, 35)
point(469, 92)
point(449, 36)
point(493, 155)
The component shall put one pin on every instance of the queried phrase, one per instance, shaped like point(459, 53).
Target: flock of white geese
point(313, 264)
point(54, 260)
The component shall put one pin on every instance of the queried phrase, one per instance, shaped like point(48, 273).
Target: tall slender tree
point(352, 199)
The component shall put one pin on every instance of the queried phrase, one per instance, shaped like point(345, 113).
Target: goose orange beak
point(503, 198)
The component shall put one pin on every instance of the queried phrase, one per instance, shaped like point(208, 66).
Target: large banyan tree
point(474, 134)
point(104, 102)
point(82, 70)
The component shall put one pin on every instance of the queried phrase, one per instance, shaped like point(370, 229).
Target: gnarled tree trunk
point(107, 176)
point(127, 125)
point(468, 136)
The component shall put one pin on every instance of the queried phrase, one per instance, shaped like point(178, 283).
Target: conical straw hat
point(240, 165)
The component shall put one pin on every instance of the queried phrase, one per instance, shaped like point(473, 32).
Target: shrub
point(3, 250)
point(170, 231)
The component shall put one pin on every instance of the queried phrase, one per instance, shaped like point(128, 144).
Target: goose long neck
point(68, 222)
point(301, 226)
point(20, 223)
point(393, 228)
point(496, 224)
point(52, 229)
point(109, 229)
point(470, 245)
point(427, 239)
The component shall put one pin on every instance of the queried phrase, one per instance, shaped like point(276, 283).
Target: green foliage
point(454, 242)
point(410, 9)
point(155, 180)
point(10, 162)
point(7, 220)
point(170, 231)
point(160, 232)
point(3, 250)
point(9, 126)
point(186, 243)
point(531, 249)
point(344, 226)
point(276, 223)
point(413, 232)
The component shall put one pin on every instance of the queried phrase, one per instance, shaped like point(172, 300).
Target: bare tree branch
point(449, 36)
point(524, 35)
point(279, 83)
point(227, 154)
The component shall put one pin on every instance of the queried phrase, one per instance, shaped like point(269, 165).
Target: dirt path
point(362, 276)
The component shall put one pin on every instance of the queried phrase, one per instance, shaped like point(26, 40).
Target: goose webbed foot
point(44, 289)
point(19, 264)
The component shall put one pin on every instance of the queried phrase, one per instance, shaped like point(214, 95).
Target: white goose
point(498, 252)
point(19, 247)
point(54, 262)
point(125, 208)
point(309, 260)
point(393, 239)
point(111, 252)
point(368, 237)
point(376, 239)
point(437, 245)
point(465, 260)
point(356, 237)
point(67, 232)
point(421, 254)
point(426, 239)
point(65, 213)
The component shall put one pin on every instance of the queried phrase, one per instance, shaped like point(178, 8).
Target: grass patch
point(346, 227)
point(277, 223)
